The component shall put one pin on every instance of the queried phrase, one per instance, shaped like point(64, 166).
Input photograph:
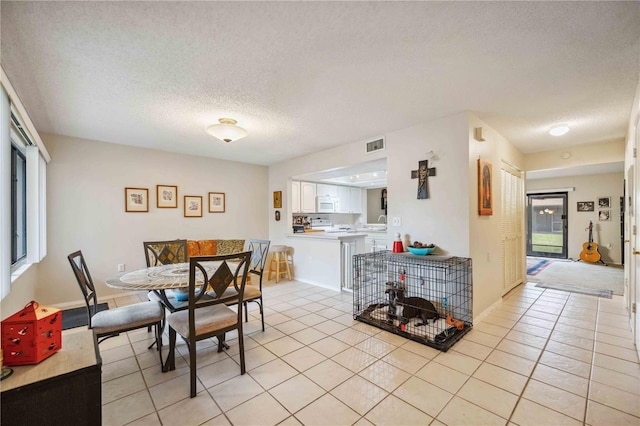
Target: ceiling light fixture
point(559, 129)
point(227, 130)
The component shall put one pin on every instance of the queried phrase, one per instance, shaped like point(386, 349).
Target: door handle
point(636, 252)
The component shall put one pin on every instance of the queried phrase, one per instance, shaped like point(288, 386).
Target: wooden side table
point(64, 389)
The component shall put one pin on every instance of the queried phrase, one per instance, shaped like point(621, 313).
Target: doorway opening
point(547, 225)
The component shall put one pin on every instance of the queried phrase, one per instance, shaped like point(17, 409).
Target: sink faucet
point(383, 217)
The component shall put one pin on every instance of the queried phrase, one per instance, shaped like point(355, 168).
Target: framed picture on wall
point(604, 215)
point(192, 206)
point(277, 199)
point(166, 196)
point(216, 202)
point(485, 197)
point(604, 202)
point(136, 200)
point(585, 206)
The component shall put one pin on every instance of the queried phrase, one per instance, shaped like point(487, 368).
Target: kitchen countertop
point(328, 235)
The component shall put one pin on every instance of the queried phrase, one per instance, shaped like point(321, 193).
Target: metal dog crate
point(391, 290)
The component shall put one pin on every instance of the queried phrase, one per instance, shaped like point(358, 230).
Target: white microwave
point(325, 204)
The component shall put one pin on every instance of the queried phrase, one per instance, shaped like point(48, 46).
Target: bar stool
point(279, 262)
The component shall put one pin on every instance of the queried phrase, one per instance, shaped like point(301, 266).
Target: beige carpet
point(582, 274)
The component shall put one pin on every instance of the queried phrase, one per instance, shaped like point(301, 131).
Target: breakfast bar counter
point(324, 258)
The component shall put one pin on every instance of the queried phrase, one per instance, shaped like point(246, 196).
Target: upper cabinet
point(356, 200)
point(295, 197)
point(308, 197)
point(349, 199)
point(325, 190)
point(344, 199)
point(303, 197)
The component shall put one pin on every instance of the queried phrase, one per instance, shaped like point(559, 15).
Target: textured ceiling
point(306, 76)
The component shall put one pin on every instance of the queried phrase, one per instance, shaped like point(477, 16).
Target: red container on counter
point(31, 334)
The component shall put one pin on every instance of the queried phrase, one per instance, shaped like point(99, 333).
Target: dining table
point(160, 279)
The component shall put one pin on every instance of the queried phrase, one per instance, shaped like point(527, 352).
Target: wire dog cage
point(427, 299)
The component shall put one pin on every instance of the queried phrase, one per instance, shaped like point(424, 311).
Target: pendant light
point(227, 130)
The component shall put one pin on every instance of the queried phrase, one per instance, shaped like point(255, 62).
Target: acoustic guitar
point(590, 251)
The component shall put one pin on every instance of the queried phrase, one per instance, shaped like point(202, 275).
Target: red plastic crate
point(31, 334)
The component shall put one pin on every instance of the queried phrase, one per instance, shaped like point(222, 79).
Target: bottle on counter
point(398, 247)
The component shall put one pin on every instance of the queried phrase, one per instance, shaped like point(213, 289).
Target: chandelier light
point(227, 130)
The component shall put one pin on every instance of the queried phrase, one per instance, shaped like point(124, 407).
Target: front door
point(547, 225)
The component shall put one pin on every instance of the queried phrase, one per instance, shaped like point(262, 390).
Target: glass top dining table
point(165, 277)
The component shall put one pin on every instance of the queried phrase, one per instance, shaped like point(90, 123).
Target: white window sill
point(21, 269)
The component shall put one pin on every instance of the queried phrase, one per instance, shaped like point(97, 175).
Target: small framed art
point(277, 199)
point(585, 206)
point(604, 202)
point(604, 215)
point(136, 200)
point(216, 202)
point(166, 196)
point(192, 206)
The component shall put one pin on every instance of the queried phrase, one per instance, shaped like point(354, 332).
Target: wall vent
point(375, 145)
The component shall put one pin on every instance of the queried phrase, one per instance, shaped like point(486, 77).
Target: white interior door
point(513, 249)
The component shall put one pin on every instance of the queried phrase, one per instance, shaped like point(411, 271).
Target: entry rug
point(534, 266)
point(599, 292)
point(77, 317)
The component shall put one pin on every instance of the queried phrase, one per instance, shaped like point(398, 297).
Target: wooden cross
point(422, 174)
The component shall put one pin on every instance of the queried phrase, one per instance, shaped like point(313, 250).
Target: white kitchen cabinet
point(308, 197)
point(356, 200)
point(344, 199)
point(324, 190)
point(295, 197)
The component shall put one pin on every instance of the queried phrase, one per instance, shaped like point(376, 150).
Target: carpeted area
point(77, 317)
point(535, 265)
point(583, 275)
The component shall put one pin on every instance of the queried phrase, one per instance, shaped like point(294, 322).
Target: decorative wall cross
point(422, 174)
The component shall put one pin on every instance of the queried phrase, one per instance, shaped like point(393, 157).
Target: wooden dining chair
point(207, 317)
point(114, 321)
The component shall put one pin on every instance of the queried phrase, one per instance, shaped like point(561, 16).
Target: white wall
point(589, 188)
point(580, 155)
point(23, 290)
point(86, 181)
point(485, 232)
point(442, 219)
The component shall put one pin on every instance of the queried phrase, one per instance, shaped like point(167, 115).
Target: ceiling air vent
point(376, 145)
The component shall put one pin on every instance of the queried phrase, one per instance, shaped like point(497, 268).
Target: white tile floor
point(542, 357)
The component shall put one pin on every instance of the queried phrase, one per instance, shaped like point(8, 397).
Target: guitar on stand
point(590, 251)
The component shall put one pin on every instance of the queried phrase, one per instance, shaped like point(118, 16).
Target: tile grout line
point(593, 360)
point(529, 378)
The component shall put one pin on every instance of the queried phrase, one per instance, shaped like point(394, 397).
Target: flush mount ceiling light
point(227, 130)
point(559, 129)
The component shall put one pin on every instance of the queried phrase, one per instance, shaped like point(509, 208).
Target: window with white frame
point(23, 159)
point(18, 205)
